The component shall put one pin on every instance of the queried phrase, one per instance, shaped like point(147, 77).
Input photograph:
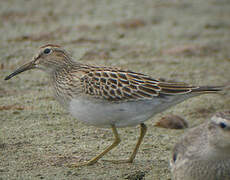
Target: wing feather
point(114, 84)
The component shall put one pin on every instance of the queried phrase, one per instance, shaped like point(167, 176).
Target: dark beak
point(23, 68)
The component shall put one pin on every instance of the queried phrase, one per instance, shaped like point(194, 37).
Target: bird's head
point(219, 131)
point(49, 58)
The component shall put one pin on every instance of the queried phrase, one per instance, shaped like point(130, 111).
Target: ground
point(178, 40)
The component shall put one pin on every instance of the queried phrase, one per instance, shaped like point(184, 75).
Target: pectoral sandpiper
point(108, 97)
point(204, 152)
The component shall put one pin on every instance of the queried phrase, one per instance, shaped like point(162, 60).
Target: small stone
point(172, 122)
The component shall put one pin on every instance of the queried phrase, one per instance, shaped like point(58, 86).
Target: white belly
point(123, 114)
point(108, 114)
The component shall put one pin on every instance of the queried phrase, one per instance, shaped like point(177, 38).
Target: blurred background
point(178, 40)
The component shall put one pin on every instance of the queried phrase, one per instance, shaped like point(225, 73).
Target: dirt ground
point(172, 39)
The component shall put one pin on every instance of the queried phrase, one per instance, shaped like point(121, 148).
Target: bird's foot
point(80, 164)
point(118, 161)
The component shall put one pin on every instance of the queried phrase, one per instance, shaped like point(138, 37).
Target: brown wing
point(115, 84)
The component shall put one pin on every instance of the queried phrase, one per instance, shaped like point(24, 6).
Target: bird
point(203, 153)
point(108, 97)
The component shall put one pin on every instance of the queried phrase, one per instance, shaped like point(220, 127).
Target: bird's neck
point(63, 69)
point(59, 79)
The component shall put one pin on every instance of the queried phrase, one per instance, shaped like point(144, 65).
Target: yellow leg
point(143, 130)
point(117, 140)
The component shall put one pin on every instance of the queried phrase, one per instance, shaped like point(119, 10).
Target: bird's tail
point(207, 89)
point(182, 88)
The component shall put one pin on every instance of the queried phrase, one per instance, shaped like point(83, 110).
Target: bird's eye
point(222, 125)
point(47, 51)
point(174, 157)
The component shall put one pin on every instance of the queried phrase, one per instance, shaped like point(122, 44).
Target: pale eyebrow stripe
point(51, 45)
